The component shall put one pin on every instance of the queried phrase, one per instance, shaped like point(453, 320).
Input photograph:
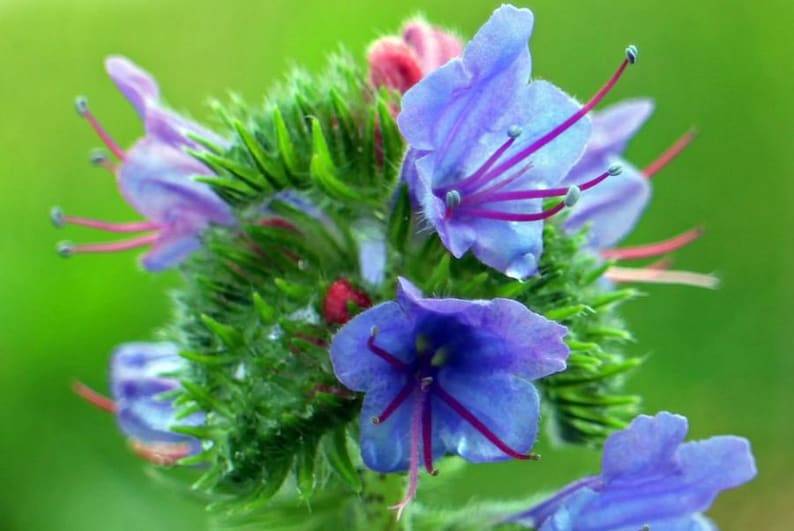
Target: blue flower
point(140, 373)
point(156, 177)
point(651, 479)
point(446, 376)
point(486, 146)
point(613, 208)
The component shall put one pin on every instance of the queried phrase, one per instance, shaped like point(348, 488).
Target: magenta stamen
point(461, 410)
point(113, 246)
point(385, 356)
point(671, 153)
point(472, 182)
point(416, 421)
point(564, 126)
point(135, 226)
point(475, 198)
point(653, 249)
point(82, 110)
point(540, 194)
point(661, 276)
point(398, 400)
point(163, 454)
point(511, 216)
point(427, 437)
point(102, 402)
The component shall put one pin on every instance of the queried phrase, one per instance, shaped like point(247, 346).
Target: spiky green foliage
point(311, 173)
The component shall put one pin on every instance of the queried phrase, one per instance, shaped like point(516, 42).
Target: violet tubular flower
point(487, 146)
point(446, 376)
point(612, 209)
point(650, 479)
point(140, 375)
point(155, 176)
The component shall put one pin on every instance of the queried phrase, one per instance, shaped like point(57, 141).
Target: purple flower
point(155, 176)
point(487, 146)
point(613, 208)
point(140, 373)
point(446, 376)
point(651, 479)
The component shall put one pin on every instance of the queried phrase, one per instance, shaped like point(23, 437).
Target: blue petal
point(674, 487)
point(613, 207)
point(173, 129)
point(614, 126)
point(507, 405)
point(156, 180)
point(354, 364)
point(513, 248)
point(139, 375)
point(450, 110)
point(645, 449)
point(497, 335)
point(371, 251)
point(170, 249)
point(137, 85)
point(386, 447)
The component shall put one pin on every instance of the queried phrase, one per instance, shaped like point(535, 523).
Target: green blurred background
point(722, 358)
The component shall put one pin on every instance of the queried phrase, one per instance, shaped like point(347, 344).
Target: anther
point(572, 197)
point(426, 382)
point(373, 331)
point(65, 249)
point(98, 157)
point(374, 420)
point(632, 54)
point(57, 217)
point(514, 131)
point(452, 199)
point(615, 169)
point(81, 105)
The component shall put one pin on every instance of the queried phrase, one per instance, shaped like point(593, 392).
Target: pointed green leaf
point(335, 449)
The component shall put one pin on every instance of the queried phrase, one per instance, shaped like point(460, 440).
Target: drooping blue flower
point(649, 478)
point(486, 146)
point(156, 177)
point(614, 207)
point(454, 374)
point(140, 374)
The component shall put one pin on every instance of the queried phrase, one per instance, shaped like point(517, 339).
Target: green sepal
point(335, 449)
point(229, 335)
point(323, 170)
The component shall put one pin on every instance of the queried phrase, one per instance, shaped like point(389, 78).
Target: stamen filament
point(396, 402)
point(67, 249)
point(162, 454)
point(578, 115)
point(427, 437)
point(134, 226)
point(540, 194)
point(512, 216)
point(653, 249)
point(385, 356)
point(461, 410)
point(671, 153)
point(472, 182)
point(101, 401)
point(416, 421)
point(661, 276)
point(475, 198)
point(82, 109)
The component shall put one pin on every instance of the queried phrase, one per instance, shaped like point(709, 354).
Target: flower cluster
point(415, 262)
point(155, 176)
